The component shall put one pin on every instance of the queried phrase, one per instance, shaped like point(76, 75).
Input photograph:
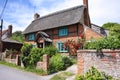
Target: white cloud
point(36, 3)
point(20, 15)
point(102, 11)
point(57, 6)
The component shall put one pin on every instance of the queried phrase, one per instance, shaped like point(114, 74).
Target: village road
point(7, 73)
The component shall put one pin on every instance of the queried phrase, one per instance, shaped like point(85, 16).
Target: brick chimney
point(9, 31)
point(36, 16)
point(86, 13)
point(85, 2)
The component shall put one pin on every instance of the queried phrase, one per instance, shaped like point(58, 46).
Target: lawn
point(62, 76)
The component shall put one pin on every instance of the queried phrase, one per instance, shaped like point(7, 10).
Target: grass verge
point(36, 71)
point(62, 76)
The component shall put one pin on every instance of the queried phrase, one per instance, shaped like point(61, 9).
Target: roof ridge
point(58, 12)
point(96, 25)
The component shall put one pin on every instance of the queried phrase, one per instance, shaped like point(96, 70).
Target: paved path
point(72, 69)
point(7, 73)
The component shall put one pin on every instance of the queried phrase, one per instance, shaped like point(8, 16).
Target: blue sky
point(20, 13)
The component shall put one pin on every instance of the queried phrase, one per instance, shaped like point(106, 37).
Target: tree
point(109, 25)
point(18, 36)
point(114, 29)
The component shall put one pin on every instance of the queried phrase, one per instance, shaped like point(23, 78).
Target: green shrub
point(94, 74)
point(67, 61)
point(58, 63)
point(73, 60)
point(110, 42)
point(25, 50)
point(35, 55)
point(30, 56)
point(90, 45)
point(50, 50)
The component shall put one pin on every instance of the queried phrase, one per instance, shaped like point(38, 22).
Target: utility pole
point(1, 35)
point(1, 30)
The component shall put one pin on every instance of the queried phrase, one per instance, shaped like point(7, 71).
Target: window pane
point(31, 37)
point(63, 31)
point(61, 47)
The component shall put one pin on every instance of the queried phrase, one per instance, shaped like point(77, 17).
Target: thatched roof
point(10, 41)
point(57, 19)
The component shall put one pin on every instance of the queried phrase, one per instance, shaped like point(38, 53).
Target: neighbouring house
point(99, 29)
point(7, 43)
point(60, 26)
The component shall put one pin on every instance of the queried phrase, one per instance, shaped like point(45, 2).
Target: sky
point(19, 13)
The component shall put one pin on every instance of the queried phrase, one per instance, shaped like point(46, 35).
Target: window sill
point(63, 51)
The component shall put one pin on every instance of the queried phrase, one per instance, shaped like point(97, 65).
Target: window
point(31, 37)
point(61, 48)
point(63, 31)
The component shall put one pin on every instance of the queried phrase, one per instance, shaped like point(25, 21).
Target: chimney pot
point(36, 16)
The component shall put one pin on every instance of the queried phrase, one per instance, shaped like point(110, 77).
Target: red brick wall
point(44, 64)
point(74, 32)
point(108, 61)
point(89, 34)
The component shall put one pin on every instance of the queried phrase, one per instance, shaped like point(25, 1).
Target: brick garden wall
point(14, 61)
point(43, 64)
point(108, 61)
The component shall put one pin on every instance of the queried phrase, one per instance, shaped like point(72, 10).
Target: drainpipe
point(43, 44)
